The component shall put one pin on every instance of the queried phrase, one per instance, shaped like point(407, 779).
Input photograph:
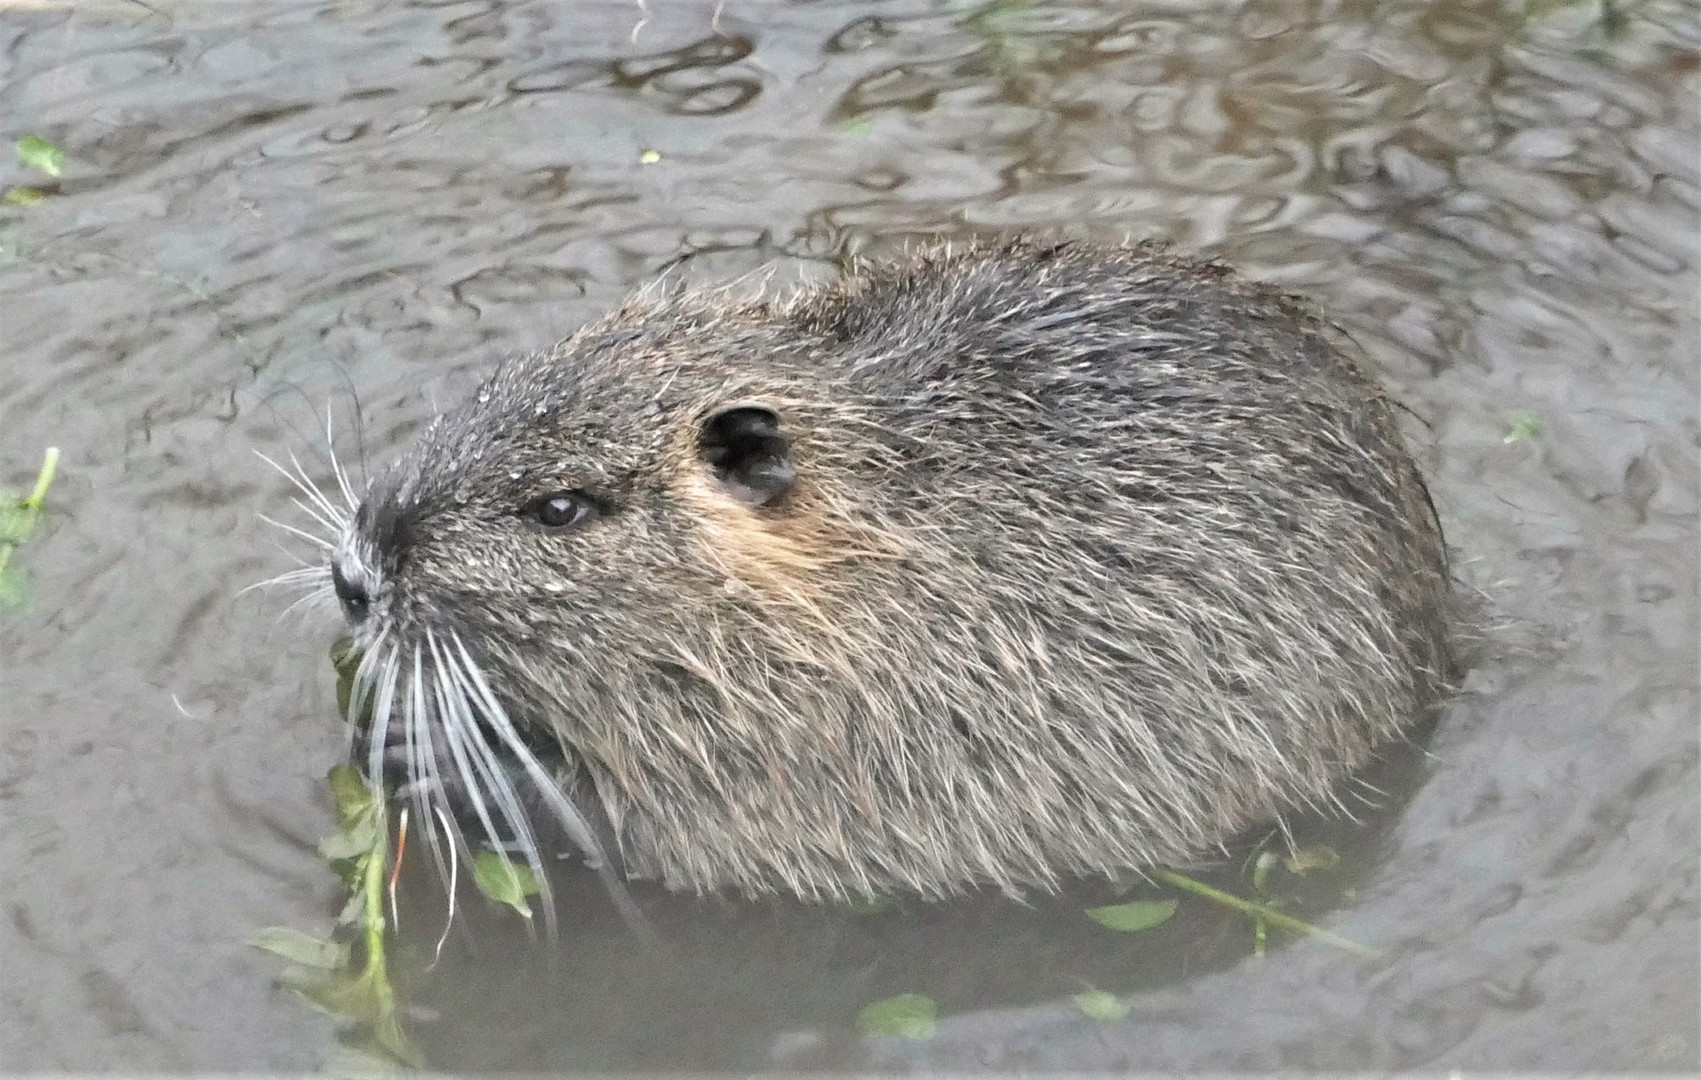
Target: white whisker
point(313, 491)
point(332, 528)
point(428, 783)
point(317, 541)
point(454, 881)
point(578, 829)
point(461, 719)
point(317, 596)
point(337, 466)
point(571, 819)
point(304, 484)
point(297, 559)
point(301, 576)
point(476, 763)
point(376, 688)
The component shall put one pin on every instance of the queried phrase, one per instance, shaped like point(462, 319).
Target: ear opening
point(744, 449)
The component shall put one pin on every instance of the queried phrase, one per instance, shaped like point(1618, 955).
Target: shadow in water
point(735, 984)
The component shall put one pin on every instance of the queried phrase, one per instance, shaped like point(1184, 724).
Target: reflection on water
point(271, 205)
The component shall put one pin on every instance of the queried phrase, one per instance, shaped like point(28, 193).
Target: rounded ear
point(744, 449)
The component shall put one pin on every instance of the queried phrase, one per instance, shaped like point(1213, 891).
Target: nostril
point(352, 594)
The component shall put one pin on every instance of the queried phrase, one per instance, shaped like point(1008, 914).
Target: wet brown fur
point(1096, 558)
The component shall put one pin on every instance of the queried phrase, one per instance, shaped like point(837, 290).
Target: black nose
point(353, 596)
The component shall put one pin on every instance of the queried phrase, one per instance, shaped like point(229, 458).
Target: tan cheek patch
point(792, 561)
point(781, 553)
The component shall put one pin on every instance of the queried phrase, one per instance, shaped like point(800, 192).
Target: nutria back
point(991, 566)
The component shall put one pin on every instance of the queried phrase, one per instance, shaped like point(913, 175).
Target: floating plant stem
point(1263, 912)
point(18, 519)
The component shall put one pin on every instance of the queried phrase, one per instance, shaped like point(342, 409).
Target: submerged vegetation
point(902, 1016)
point(34, 152)
point(1263, 914)
point(915, 1016)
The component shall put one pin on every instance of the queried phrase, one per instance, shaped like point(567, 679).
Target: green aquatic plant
point(506, 881)
point(18, 518)
point(1522, 427)
point(35, 152)
point(1262, 911)
point(901, 1016)
point(1101, 1005)
point(1135, 915)
point(1138, 915)
point(347, 975)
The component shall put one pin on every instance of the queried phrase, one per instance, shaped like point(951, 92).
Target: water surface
point(271, 207)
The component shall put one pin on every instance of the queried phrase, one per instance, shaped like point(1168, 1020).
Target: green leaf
point(353, 914)
point(35, 152)
point(349, 997)
point(22, 196)
point(1135, 915)
point(320, 973)
point(349, 792)
point(1101, 1005)
point(14, 588)
point(345, 661)
point(16, 520)
point(358, 1063)
point(1522, 428)
point(300, 948)
point(354, 842)
point(391, 1037)
point(345, 658)
point(902, 1016)
point(505, 881)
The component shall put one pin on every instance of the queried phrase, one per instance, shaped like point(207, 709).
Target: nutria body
point(989, 567)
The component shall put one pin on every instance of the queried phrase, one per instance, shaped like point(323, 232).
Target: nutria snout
point(991, 566)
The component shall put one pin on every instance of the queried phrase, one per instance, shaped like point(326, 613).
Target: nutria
point(995, 565)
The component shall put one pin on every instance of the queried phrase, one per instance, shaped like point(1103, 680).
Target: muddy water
point(269, 207)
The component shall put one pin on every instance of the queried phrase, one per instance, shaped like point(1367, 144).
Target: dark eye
point(562, 509)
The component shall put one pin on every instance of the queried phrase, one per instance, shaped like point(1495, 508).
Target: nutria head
point(983, 568)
